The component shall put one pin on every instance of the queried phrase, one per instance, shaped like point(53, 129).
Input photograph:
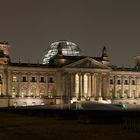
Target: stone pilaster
point(122, 93)
point(130, 87)
point(115, 86)
point(92, 85)
point(80, 86)
point(89, 83)
point(136, 95)
point(100, 85)
point(9, 83)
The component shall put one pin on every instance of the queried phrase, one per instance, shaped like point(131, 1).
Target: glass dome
point(68, 49)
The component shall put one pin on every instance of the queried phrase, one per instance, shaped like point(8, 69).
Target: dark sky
point(31, 25)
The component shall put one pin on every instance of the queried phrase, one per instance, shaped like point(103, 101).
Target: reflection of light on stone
point(74, 99)
point(42, 103)
point(85, 85)
point(15, 104)
point(77, 84)
point(22, 94)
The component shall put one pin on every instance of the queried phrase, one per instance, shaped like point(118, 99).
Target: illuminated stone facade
point(65, 79)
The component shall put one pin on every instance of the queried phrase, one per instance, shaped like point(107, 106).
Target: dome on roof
point(68, 49)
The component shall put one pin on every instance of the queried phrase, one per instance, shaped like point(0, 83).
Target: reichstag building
point(66, 76)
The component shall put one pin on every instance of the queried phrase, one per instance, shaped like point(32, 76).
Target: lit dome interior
point(68, 49)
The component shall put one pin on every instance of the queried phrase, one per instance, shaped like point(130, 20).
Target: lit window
point(14, 79)
point(13, 92)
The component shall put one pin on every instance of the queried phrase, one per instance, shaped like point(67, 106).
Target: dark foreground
point(35, 124)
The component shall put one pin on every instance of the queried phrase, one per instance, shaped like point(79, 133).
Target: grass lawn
point(20, 127)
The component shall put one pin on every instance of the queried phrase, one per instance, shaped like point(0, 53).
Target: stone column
point(122, 87)
point(17, 83)
point(89, 85)
point(66, 88)
point(92, 85)
point(108, 86)
point(130, 87)
point(9, 83)
point(37, 84)
point(95, 85)
point(4, 84)
point(63, 88)
point(72, 85)
point(104, 85)
point(80, 86)
point(46, 92)
point(100, 85)
point(83, 85)
point(115, 86)
point(76, 85)
point(136, 88)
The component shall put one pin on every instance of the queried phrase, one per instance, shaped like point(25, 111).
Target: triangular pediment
point(87, 63)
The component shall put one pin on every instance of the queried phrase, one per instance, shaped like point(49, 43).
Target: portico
point(88, 83)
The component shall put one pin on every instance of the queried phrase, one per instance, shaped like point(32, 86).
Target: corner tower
point(105, 56)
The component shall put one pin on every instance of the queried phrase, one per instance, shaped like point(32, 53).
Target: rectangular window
point(50, 80)
point(133, 82)
point(111, 81)
point(126, 82)
point(118, 82)
point(24, 79)
point(33, 79)
point(42, 79)
point(14, 79)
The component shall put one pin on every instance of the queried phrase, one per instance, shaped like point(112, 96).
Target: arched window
point(33, 91)
point(42, 91)
point(23, 92)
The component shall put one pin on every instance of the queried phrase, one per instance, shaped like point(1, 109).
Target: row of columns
point(97, 85)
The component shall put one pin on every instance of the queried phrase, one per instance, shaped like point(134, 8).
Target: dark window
point(24, 79)
point(0, 80)
point(111, 81)
point(133, 82)
point(33, 79)
point(51, 80)
point(118, 82)
point(126, 82)
point(42, 79)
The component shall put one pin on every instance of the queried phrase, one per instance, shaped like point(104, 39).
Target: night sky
point(31, 25)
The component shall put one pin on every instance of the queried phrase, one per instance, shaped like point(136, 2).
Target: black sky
point(31, 25)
